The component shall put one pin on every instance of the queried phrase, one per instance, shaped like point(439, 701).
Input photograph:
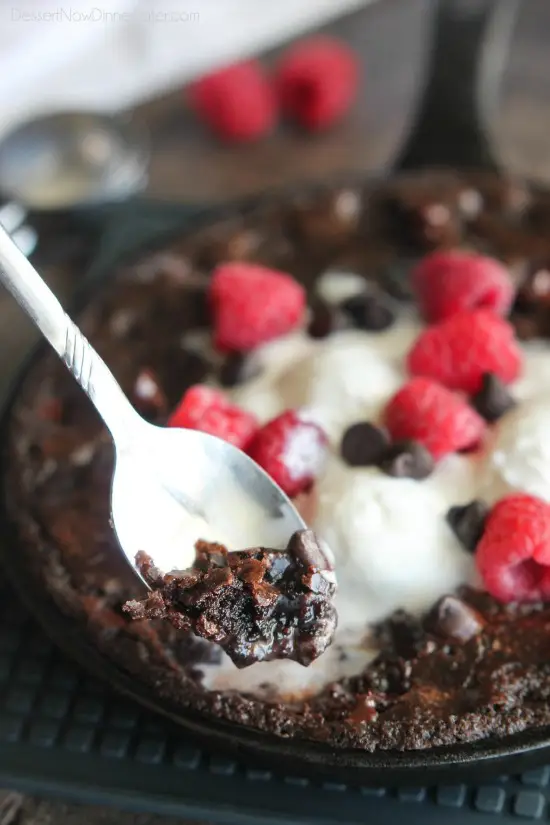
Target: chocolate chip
point(323, 320)
point(493, 399)
point(453, 619)
point(405, 634)
point(238, 369)
point(369, 312)
point(304, 546)
point(468, 522)
point(407, 459)
point(363, 444)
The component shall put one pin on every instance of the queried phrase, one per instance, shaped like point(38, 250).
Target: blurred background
point(127, 54)
point(136, 61)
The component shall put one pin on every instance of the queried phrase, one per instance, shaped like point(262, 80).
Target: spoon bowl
point(174, 486)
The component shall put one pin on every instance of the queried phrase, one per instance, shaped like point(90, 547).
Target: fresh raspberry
point(206, 409)
point(252, 304)
point(317, 81)
point(291, 450)
point(237, 102)
point(449, 282)
point(459, 351)
point(513, 555)
point(439, 419)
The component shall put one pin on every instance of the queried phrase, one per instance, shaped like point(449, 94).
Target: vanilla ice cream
point(392, 544)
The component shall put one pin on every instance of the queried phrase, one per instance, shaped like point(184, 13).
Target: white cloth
point(61, 54)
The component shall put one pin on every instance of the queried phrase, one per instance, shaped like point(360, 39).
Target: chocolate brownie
point(256, 604)
point(471, 668)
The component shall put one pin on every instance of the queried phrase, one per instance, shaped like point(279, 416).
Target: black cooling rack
point(63, 733)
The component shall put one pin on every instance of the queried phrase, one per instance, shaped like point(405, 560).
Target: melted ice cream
point(393, 546)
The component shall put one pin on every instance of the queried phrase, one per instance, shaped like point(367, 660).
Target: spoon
point(170, 486)
point(68, 161)
point(73, 159)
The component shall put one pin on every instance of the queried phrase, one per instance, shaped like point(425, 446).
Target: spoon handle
point(34, 296)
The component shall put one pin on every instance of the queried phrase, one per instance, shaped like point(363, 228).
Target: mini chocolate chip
point(305, 548)
point(407, 459)
point(369, 312)
point(468, 522)
point(453, 619)
point(405, 634)
point(237, 369)
point(363, 444)
point(323, 320)
point(493, 399)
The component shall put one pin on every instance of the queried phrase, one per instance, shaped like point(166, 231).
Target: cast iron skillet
point(461, 30)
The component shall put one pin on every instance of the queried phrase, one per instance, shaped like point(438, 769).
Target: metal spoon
point(73, 159)
point(68, 160)
point(170, 486)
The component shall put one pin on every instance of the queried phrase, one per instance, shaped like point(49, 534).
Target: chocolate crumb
point(237, 369)
point(364, 444)
point(493, 399)
point(407, 459)
point(256, 604)
point(468, 522)
point(365, 709)
point(404, 635)
point(453, 619)
point(369, 312)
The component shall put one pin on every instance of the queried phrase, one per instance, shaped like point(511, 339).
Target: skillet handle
point(471, 40)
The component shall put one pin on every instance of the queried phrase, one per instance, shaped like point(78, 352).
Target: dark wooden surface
point(391, 38)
